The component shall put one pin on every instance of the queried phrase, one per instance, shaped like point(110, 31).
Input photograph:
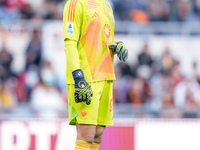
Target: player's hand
point(120, 49)
point(83, 91)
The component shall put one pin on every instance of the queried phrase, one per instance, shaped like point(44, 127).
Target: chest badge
point(107, 30)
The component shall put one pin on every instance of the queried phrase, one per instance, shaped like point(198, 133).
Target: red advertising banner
point(118, 138)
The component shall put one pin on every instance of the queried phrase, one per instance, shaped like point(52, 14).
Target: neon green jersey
point(91, 24)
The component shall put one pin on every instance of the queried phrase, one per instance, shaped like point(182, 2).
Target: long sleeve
point(72, 55)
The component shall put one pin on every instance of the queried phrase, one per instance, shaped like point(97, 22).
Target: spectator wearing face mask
point(46, 99)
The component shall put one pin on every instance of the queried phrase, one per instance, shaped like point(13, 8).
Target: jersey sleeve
point(72, 55)
point(72, 20)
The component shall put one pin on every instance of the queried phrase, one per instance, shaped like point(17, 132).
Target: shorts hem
point(89, 123)
point(105, 124)
point(92, 123)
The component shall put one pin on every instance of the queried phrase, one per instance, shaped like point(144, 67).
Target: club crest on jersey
point(107, 30)
point(70, 28)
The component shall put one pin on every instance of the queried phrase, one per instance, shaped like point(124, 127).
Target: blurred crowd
point(36, 89)
point(154, 83)
point(14, 10)
point(141, 11)
point(158, 84)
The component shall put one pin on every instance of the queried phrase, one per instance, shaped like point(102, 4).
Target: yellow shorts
point(99, 112)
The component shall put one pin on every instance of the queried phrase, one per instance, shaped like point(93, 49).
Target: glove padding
point(83, 91)
point(120, 49)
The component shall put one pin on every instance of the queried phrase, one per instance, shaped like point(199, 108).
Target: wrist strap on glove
point(77, 74)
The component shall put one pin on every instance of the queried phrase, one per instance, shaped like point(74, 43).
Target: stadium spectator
point(139, 16)
point(52, 11)
point(158, 10)
point(6, 59)
point(196, 6)
point(2, 73)
point(167, 99)
point(124, 68)
point(27, 12)
point(185, 11)
point(176, 73)
point(145, 58)
point(7, 96)
point(196, 72)
point(20, 88)
point(34, 50)
point(186, 93)
point(31, 79)
point(122, 8)
point(167, 61)
point(121, 89)
point(139, 92)
point(46, 99)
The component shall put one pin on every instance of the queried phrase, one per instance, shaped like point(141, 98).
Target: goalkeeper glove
point(83, 91)
point(120, 49)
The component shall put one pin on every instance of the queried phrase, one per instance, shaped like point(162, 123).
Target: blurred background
point(161, 78)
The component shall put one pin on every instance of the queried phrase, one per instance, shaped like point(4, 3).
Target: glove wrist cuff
point(77, 74)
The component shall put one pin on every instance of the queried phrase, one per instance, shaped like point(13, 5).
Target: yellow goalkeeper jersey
point(91, 24)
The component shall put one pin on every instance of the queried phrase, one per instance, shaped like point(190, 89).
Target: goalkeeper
point(88, 31)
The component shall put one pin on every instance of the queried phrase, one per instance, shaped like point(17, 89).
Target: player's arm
point(72, 20)
point(119, 49)
point(72, 55)
point(83, 91)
